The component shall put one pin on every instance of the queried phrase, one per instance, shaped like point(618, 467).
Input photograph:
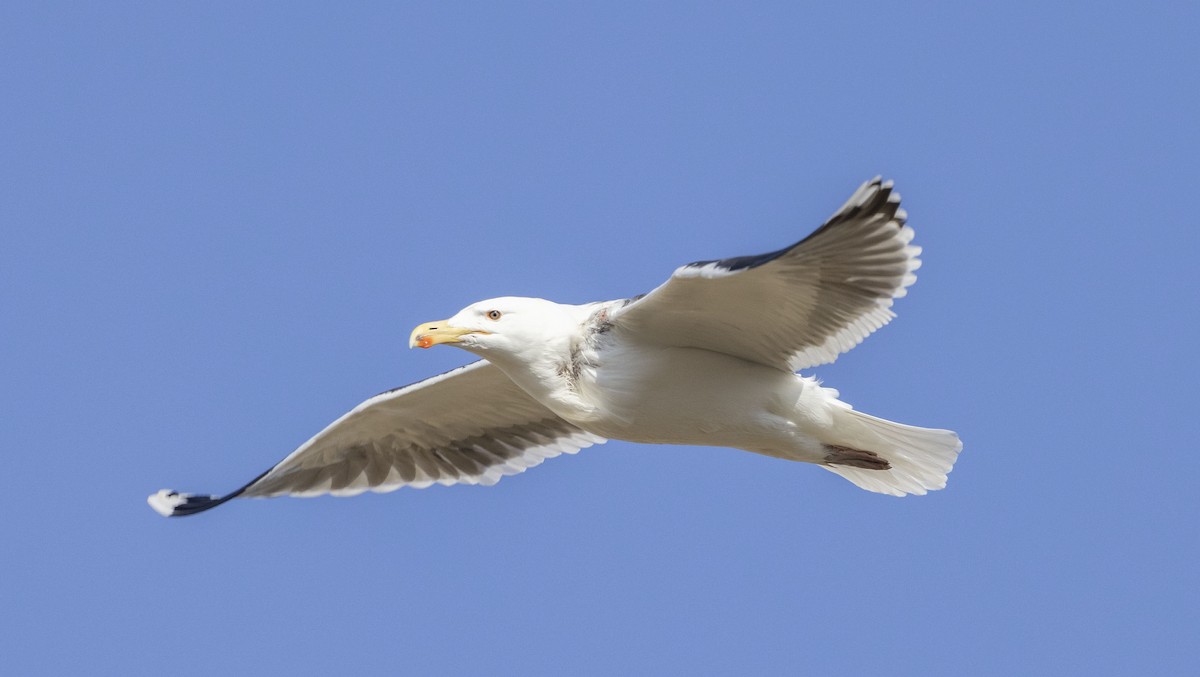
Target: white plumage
point(707, 358)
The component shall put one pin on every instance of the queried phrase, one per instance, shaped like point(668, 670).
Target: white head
point(508, 326)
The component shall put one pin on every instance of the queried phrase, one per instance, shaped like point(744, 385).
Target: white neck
point(543, 368)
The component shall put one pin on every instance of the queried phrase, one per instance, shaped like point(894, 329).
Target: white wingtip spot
point(165, 501)
point(709, 270)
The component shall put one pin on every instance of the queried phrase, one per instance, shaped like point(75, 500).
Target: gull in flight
point(708, 358)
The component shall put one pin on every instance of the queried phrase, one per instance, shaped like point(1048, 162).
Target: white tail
point(920, 458)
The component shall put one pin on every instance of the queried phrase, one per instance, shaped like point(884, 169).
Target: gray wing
point(471, 425)
point(794, 308)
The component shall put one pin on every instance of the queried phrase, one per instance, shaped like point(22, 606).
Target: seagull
point(708, 358)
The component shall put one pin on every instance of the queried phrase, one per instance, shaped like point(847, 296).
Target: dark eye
point(493, 314)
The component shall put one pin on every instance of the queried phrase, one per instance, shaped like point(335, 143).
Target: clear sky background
point(220, 221)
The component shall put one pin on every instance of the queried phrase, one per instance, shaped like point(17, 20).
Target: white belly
point(668, 395)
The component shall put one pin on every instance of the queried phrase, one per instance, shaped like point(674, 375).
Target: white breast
point(670, 395)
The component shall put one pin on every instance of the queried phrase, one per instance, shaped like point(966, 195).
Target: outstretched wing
point(794, 308)
point(471, 425)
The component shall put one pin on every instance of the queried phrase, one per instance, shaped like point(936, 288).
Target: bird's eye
point(493, 314)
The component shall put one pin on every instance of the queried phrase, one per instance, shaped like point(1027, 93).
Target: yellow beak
point(430, 334)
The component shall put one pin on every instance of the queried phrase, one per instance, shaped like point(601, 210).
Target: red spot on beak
point(424, 341)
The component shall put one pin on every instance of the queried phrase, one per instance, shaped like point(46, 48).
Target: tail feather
point(918, 459)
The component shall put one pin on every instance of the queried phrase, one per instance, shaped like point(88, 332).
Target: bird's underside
point(707, 358)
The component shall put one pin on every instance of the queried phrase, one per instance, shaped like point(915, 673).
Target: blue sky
point(220, 221)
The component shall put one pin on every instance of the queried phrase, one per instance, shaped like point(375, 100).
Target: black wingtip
point(875, 197)
point(174, 504)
